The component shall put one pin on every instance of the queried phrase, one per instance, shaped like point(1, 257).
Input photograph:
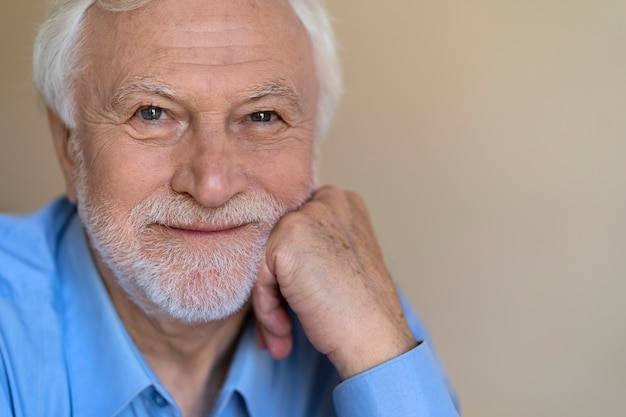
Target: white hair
point(56, 60)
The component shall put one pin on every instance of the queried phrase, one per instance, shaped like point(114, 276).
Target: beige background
point(488, 138)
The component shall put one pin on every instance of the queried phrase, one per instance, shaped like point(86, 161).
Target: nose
point(210, 169)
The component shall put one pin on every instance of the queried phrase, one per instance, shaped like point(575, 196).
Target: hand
point(324, 262)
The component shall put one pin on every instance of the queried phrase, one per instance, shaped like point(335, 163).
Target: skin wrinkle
point(277, 90)
point(60, 94)
point(213, 30)
point(246, 49)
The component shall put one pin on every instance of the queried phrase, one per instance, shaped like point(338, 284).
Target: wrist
point(361, 357)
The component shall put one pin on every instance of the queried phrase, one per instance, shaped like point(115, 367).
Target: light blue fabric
point(64, 351)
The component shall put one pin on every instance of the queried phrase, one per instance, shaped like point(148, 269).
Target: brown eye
point(262, 116)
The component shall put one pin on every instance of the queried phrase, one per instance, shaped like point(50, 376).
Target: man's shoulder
point(28, 247)
point(31, 344)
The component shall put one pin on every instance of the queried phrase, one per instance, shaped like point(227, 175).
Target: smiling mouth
point(204, 230)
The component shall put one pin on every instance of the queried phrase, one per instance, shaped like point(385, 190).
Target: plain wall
point(488, 138)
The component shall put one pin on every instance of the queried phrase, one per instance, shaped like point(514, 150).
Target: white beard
point(190, 283)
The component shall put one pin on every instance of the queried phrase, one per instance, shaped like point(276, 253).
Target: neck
point(190, 360)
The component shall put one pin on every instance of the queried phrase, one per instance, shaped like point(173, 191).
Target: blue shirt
point(65, 352)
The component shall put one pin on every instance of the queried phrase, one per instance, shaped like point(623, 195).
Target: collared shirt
point(65, 352)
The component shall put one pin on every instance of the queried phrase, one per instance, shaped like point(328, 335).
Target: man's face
point(195, 133)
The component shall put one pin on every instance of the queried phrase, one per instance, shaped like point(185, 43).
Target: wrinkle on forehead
point(191, 16)
point(182, 50)
point(170, 27)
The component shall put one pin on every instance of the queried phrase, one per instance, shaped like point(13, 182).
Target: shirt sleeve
point(407, 386)
point(410, 385)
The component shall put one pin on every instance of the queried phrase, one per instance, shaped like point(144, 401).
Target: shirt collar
point(106, 371)
point(252, 375)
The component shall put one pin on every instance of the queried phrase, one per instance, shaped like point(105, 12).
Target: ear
point(61, 135)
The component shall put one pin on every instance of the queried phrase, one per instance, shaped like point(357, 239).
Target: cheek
point(123, 176)
point(287, 175)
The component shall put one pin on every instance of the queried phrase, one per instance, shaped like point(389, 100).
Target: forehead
point(196, 39)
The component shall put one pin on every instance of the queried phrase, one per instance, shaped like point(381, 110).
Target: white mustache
point(183, 210)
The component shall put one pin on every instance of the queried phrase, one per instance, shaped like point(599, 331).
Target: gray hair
point(56, 60)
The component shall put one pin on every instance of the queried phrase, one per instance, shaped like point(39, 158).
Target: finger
point(273, 321)
point(260, 341)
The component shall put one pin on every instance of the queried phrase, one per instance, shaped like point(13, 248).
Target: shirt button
point(158, 399)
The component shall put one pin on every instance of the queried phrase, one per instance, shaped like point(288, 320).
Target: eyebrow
point(142, 85)
point(276, 87)
point(145, 86)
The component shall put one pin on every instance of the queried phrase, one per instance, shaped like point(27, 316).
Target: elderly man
point(195, 268)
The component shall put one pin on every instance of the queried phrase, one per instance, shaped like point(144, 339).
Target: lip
point(206, 230)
